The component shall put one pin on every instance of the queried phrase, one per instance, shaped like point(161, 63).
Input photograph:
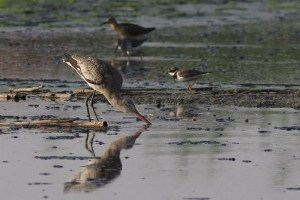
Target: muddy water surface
point(190, 151)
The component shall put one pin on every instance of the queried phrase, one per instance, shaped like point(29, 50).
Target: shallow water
point(191, 151)
point(196, 151)
point(260, 47)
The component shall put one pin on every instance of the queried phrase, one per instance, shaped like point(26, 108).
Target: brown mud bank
point(237, 97)
point(242, 97)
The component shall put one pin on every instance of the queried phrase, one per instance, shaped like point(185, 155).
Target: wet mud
point(239, 96)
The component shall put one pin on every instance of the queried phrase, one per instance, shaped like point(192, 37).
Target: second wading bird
point(104, 78)
point(186, 75)
point(127, 30)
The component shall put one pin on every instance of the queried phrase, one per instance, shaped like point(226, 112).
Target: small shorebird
point(129, 45)
point(186, 75)
point(104, 78)
point(127, 30)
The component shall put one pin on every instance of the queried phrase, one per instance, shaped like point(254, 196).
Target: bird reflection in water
point(99, 171)
point(185, 110)
point(130, 46)
point(130, 69)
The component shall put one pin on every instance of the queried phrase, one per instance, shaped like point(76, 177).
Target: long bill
point(141, 117)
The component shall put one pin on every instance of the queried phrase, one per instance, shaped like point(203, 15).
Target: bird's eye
point(131, 106)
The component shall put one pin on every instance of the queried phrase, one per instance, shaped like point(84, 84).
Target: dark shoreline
point(241, 97)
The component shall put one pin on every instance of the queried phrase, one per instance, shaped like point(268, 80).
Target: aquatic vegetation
point(284, 5)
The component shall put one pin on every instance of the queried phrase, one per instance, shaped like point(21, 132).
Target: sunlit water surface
point(192, 151)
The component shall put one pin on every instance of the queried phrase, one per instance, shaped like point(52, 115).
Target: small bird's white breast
point(172, 73)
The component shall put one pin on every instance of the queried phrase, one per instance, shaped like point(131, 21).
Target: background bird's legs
point(128, 57)
point(116, 51)
point(141, 55)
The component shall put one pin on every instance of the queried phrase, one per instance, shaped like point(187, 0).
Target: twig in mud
point(55, 95)
point(26, 89)
point(58, 122)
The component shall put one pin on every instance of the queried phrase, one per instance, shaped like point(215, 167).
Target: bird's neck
point(174, 75)
point(115, 26)
point(115, 100)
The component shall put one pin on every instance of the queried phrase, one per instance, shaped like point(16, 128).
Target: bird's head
point(67, 58)
point(129, 107)
point(110, 20)
point(172, 71)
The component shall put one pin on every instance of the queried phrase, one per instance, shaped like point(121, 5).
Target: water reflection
point(131, 67)
point(185, 110)
point(100, 171)
point(129, 46)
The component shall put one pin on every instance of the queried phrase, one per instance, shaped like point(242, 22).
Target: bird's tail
point(148, 30)
point(207, 72)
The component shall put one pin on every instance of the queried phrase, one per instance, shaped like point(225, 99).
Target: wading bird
point(127, 30)
point(104, 78)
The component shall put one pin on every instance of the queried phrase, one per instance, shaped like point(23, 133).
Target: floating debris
point(288, 128)
point(229, 159)
point(45, 174)
point(61, 137)
point(194, 142)
point(64, 157)
point(58, 166)
point(39, 183)
point(264, 131)
point(293, 188)
point(204, 129)
point(268, 150)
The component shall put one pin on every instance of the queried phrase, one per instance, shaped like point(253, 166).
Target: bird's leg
point(128, 57)
point(87, 106)
point(89, 143)
point(190, 86)
point(116, 50)
point(92, 104)
point(115, 55)
point(128, 60)
point(189, 89)
point(141, 55)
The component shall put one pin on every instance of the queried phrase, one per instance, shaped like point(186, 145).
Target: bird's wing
point(93, 70)
point(136, 43)
point(190, 73)
point(135, 29)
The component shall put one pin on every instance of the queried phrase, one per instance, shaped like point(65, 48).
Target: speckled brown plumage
point(96, 72)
